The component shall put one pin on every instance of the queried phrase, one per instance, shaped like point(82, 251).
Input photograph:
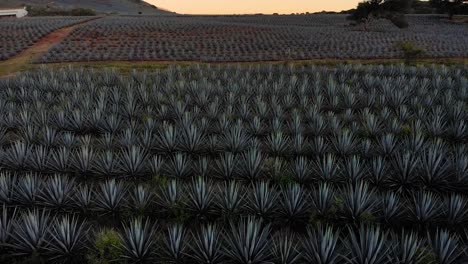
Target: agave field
point(19, 34)
point(235, 164)
point(253, 38)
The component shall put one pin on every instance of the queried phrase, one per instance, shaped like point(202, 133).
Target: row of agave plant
point(289, 204)
point(433, 167)
point(64, 239)
point(241, 164)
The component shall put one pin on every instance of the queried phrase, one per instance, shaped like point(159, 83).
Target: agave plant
point(179, 166)
point(446, 248)
point(200, 197)
point(366, 245)
point(141, 198)
point(6, 226)
point(7, 185)
point(407, 248)
point(206, 245)
point(106, 163)
point(226, 166)
point(83, 198)
point(138, 241)
point(68, 240)
point(293, 204)
point(391, 208)
point(455, 212)
point(132, 161)
point(28, 189)
point(170, 195)
point(322, 199)
point(358, 202)
point(230, 198)
point(30, 233)
point(251, 164)
point(57, 192)
point(262, 200)
point(301, 170)
point(248, 242)
point(321, 245)
point(285, 249)
point(426, 208)
point(110, 197)
point(174, 244)
point(327, 168)
point(83, 159)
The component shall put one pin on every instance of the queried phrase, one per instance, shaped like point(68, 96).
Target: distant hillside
point(126, 7)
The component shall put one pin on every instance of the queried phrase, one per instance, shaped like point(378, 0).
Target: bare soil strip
point(25, 58)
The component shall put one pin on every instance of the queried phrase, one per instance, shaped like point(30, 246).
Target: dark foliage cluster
point(252, 38)
point(236, 164)
point(19, 34)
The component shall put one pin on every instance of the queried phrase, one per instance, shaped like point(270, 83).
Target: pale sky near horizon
point(252, 6)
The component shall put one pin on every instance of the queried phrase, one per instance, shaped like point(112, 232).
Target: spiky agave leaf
point(322, 199)
point(200, 196)
point(6, 225)
point(293, 204)
point(206, 245)
point(83, 197)
point(391, 208)
point(426, 208)
point(30, 233)
point(446, 248)
point(141, 198)
point(407, 248)
point(327, 168)
point(179, 166)
point(226, 166)
point(367, 245)
point(263, 199)
point(321, 245)
point(170, 195)
point(110, 198)
point(7, 185)
point(174, 244)
point(132, 160)
point(358, 201)
point(248, 242)
point(28, 189)
point(138, 241)
point(285, 248)
point(68, 241)
point(251, 164)
point(57, 192)
point(456, 210)
point(301, 169)
point(106, 163)
point(230, 198)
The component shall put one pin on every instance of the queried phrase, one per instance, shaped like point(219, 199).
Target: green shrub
point(410, 51)
point(106, 247)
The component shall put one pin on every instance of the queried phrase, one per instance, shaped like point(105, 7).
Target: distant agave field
point(254, 38)
point(235, 164)
point(17, 35)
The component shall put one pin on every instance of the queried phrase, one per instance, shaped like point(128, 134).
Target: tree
point(451, 7)
point(393, 10)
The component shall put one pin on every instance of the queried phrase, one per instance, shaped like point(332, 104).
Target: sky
point(252, 6)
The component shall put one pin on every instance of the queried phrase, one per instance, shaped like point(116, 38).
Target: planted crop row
point(253, 38)
point(195, 164)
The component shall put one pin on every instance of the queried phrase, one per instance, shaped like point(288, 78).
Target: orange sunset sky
point(252, 6)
